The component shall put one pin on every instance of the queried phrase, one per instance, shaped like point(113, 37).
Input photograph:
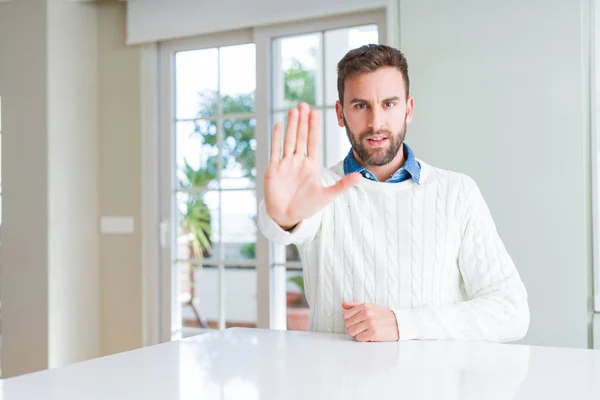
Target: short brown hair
point(369, 58)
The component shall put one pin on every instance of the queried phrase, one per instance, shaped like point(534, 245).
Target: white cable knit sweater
point(428, 252)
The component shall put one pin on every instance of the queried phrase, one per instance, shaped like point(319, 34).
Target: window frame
point(595, 150)
point(271, 280)
point(159, 116)
point(170, 309)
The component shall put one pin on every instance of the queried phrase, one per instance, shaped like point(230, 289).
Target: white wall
point(49, 253)
point(70, 92)
point(74, 321)
point(24, 252)
point(154, 20)
point(502, 95)
point(120, 177)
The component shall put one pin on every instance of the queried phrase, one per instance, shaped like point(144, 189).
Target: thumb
point(343, 184)
point(349, 305)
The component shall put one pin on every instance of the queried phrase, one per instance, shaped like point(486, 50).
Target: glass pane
point(239, 224)
point(239, 146)
point(199, 295)
point(361, 35)
point(291, 253)
point(337, 145)
point(240, 297)
point(199, 226)
point(196, 153)
point(297, 70)
point(238, 81)
point(297, 307)
point(279, 117)
point(198, 230)
point(337, 43)
point(196, 83)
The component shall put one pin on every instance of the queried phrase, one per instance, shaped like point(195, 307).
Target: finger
point(346, 305)
point(358, 328)
point(290, 133)
point(342, 185)
point(365, 336)
point(352, 312)
point(276, 143)
point(314, 134)
point(302, 134)
point(355, 319)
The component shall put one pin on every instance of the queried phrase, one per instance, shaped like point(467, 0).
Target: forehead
point(381, 83)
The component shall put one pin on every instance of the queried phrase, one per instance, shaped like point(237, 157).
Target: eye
point(360, 106)
point(390, 104)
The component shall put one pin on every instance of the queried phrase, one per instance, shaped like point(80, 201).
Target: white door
point(297, 62)
point(208, 192)
point(219, 98)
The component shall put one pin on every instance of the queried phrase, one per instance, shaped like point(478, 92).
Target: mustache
point(382, 132)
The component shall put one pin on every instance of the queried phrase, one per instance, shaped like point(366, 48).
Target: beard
point(381, 156)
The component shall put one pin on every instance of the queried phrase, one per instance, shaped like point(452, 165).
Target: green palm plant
point(195, 220)
point(196, 217)
point(298, 280)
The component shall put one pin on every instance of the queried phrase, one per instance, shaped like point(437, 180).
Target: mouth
point(377, 141)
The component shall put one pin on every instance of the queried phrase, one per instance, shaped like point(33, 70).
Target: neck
point(384, 172)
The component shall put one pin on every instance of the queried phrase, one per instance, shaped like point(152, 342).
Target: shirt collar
point(411, 167)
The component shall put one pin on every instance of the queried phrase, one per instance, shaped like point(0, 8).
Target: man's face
point(375, 114)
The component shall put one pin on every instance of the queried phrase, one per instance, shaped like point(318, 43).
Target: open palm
point(293, 188)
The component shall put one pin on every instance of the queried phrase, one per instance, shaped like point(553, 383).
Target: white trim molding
point(150, 196)
point(170, 307)
point(392, 23)
point(151, 21)
point(594, 86)
point(596, 331)
point(263, 144)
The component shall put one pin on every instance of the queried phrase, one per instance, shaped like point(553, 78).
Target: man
point(392, 248)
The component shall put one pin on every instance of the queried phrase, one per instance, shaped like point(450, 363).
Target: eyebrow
point(357, 100)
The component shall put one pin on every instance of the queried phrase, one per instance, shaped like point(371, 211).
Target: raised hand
point(293, 188)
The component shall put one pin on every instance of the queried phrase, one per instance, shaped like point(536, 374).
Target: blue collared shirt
point(410, 169)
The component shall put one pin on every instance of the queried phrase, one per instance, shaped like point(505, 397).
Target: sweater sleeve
point(497, 309)
point(303, 233)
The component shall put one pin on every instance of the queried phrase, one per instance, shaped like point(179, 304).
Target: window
point(302, 67)
point(213, 196)
point(216, 198)
point(219, 98)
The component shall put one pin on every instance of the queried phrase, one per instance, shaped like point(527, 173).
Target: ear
point(340, 114)
point(410, 107)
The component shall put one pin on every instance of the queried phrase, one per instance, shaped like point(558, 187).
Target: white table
point(262, 364)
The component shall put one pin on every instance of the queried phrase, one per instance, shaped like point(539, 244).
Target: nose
point(376, 119)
